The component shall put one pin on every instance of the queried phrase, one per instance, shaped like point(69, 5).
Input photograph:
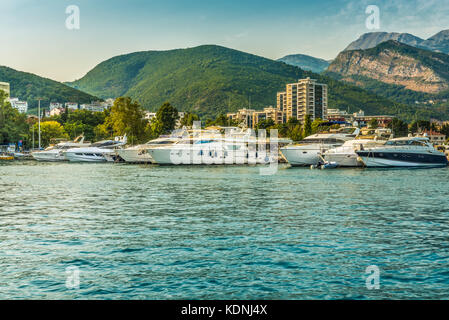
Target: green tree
point(373, 123)
point(265, 124)
point(296, 134)
point(13, 125)
point(125, 117)
point(307, 126)
point(317, 125)
point(419, 125)
point(165, 120)
point(84, 122)
point(445, 130)
point(399, 128)
point(188, 119)
point(50, 130)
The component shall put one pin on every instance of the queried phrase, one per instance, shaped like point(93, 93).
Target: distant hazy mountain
point(306, 62)
point(211, 79)
point(395, 70)
point(28, 87)
point(438, 42)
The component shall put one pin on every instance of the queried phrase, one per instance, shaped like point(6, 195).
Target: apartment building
point(306, 97)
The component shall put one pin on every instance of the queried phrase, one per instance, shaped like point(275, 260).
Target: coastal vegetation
point(29, 87)
point(127, 116)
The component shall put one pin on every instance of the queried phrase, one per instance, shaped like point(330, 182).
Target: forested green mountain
point(28, 87)
point(306, 62)
point(209, 80)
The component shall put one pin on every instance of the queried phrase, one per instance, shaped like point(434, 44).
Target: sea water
point(117, 231)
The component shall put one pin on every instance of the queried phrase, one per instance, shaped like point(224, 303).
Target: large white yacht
point(308, 151)
point(346, 156)
point(403, 152)
point(236, 147)
point(210, 151)
point(140, 154)
point(95, 152)
point(57, 152)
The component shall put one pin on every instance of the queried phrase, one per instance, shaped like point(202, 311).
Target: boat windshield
point(319, 141)
point(103, 144)
point(405, 143)
point(161, 142)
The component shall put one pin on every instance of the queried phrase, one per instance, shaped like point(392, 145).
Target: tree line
point(128, 117)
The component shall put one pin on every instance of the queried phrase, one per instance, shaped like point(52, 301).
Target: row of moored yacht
point(345, 148)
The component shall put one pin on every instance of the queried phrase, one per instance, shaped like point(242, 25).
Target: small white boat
point(346, 156)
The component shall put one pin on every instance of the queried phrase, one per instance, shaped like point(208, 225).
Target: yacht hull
point(300, 157)
point(344, 159)
point(84, 157)
point(401, 159)
point(135, 155)
point(49, 156)
point(205, 157)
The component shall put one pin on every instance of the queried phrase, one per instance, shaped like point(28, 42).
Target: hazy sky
point(35, 38)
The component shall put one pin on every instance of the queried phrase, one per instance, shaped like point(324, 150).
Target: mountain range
point(210, 79)
point(28, 87)
point(438, 42)
point(374, 73)
point(306, 62)
point(396, 71)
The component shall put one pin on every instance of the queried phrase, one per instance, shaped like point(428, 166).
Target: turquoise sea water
point(149, 232)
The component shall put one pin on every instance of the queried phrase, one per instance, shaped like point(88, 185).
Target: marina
point(345, 147)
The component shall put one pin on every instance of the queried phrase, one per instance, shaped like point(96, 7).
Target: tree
point(296, 134)
point(13, 125)
point(165, 120)
point(445, 130)
point(265, 124)
point(419, 125)
point(188, 119)
point(316, 125)
point(125, 117)
point(373, 123)
point(50, 130)
point(84, 122)
point(399, 128)
point(307, 126)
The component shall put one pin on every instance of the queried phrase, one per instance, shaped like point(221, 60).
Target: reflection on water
point(149, 232)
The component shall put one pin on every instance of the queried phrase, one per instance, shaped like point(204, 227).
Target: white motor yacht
point(403, 152)
point(308, 151)
point(96, 152)
point(57, 152)
point(210, 151)
point(346, 156)
point(140, 154)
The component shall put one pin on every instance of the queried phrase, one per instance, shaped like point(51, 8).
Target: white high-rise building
point(21, 106)
point(306, 97)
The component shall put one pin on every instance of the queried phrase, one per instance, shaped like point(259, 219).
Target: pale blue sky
point(35, 39)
